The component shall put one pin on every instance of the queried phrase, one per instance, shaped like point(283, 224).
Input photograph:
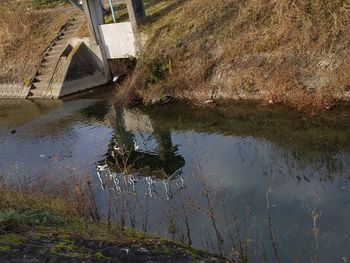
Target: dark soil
point(53, 249)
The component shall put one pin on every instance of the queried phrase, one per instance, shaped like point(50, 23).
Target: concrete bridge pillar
point(95, 17)
point(137, 14)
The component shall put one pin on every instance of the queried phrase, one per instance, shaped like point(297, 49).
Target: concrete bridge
point(72, 64)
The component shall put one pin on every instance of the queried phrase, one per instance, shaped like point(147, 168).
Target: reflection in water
point(199, 175)
point(126, 164)
point(158, 188)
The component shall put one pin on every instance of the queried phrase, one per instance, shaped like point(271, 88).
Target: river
point(266, 180)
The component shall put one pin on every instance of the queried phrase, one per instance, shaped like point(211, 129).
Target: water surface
point(198, 174)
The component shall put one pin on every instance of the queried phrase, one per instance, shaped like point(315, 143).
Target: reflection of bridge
point(126, 164)
point(136, 183)
point(294, 135)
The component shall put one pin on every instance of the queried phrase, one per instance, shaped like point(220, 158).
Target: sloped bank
point(77, 245)
point(62, 225)
point(294, 53)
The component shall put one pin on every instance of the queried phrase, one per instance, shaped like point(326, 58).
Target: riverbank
point(65, 227)
point(77, 242)
point(279, 52)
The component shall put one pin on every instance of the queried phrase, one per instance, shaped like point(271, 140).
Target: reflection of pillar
point(171, 160)
point(95, 17)
point(164, 143)
point(123, 136)
point(167, 162)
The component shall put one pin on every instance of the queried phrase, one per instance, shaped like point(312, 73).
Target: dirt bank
point(60, 222)
point(71, 246)
point(289, 52)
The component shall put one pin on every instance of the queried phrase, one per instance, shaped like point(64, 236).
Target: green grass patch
point(12, 220)
point(4, 249)
point(99, 255)
point(68, 248)
point(11, 238)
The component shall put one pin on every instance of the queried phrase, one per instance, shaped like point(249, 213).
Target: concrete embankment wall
point(13, 90)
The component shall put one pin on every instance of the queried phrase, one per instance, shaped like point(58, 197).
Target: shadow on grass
point(122, 14)
point(163, 11)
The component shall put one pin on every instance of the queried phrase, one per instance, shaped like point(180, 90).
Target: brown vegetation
point(25, 33)
point(290, 52)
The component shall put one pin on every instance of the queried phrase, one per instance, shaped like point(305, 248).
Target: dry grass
point(24, 35)
point(68, 198)
point(34, 198)
point(292, 52)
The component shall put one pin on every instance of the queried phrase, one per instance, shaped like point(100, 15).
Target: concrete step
point(30, 94)
point(33, 95)
point(61, 41)
point(39, 86)
point(50, 59)
point(53, 55)
point(75, 27)
point(48, 64)
point(55, 50)
point(64, 38)
point(79, 18)
point(45, 70)
point(70, 23)
point(43, 78)
point(69, 33)
point(78, 23)
point(39, 94)
point(59, 45)
point(38, 91)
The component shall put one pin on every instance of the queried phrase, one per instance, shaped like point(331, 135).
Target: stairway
point(41, 82)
